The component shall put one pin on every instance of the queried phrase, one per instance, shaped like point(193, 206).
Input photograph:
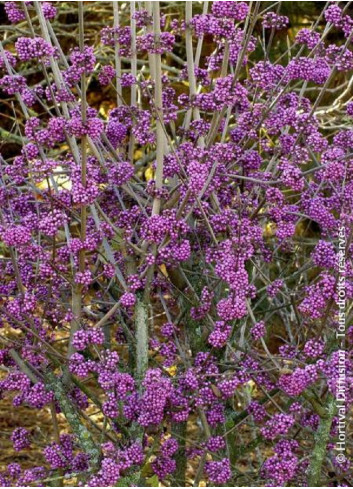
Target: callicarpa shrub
point(176, 262)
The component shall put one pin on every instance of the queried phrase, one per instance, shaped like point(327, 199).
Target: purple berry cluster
point(176, 195)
